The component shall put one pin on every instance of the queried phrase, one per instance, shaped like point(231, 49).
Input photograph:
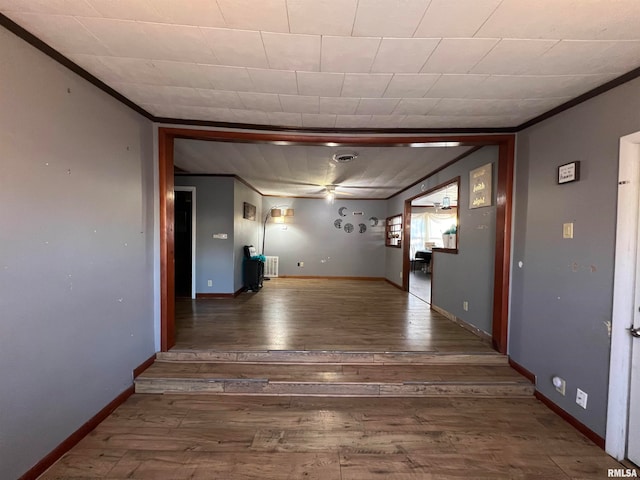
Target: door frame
point(624, 285)
point(504, 200)
point(179, 188)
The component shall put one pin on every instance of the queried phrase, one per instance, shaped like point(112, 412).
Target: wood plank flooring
point(210, 437)
point(320, 314)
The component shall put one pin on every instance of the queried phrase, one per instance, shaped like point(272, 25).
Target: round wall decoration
point(348, 227)
point(341, 211)
point(338, 223)
point(363, 227)
point(373, 221)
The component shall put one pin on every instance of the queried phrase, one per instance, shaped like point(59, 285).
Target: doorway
point(185, 242)
point(433, 221)
point(623, 414)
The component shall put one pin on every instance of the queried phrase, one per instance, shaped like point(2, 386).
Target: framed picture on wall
point(249, 211)
point(480, 183)
point(569, 172)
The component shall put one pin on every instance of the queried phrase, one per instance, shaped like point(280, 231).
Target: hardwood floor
point(294, 314)
point(327, 339)
point(240, 437)
point(420, 284)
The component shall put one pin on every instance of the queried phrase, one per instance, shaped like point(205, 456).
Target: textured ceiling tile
point(273, 81)
point(221, 99)
point(456, 86)
point(292, 52)
point(407, 85)
point(414, 121)
point(178, 42)
point(322, 17)
point(318, 120)
point(240, 48)
point(52, 7)
point(513, 57)
point(135, 70)
point(388, 18)
point(353, 121)
point(533, 86)
point(403, 55)
point(204, 13)
point(466, 107)
point(97, 68)
point(228, 78)
point(182, 74)
point(385, 121)
point(127, 9)
point(123, 37)
point(348, 54)
point(570, 57)
point(458, 55)
point(63, 33)
point(415, 106)
point(299, 103)
point(265, 15)
point(320, 83)
point(285, 119)
point(339, 105)
point(568, 19)
point(455, 18)
point(249, 116)
point(266, 102)
point(377, 106)
point(365, 85)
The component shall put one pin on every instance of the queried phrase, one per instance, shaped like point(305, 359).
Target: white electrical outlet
point(567, 230)
point(581, 398)
point(465, 306)
point(209, 283)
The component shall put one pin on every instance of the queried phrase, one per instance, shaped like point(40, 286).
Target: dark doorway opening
point(183, 241)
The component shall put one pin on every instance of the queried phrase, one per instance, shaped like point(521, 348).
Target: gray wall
point(214, 214)
point(246, 232)
point(469, 274)
point(312, 238)
point(562, 295)
point(76, 296)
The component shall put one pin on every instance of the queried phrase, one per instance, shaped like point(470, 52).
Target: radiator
point(271, 266)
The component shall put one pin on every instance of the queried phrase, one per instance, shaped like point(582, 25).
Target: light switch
point(567, 230)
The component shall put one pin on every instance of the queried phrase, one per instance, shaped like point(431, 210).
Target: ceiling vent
point(345, 157)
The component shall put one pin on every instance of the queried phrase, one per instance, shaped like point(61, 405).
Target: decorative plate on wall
point(373, 221)
point(341, 211)
point(363, 227)
point(348, 227)
point(338, 223)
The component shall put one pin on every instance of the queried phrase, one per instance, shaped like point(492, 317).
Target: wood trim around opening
point(505, 143)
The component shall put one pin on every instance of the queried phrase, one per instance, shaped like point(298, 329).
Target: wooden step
point(333, 379)
point(334, 357)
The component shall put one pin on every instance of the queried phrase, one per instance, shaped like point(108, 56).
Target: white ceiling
point(343, 63)
point(304, 171)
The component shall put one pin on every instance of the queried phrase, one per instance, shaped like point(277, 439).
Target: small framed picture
point(569, 172)
point(249, 211)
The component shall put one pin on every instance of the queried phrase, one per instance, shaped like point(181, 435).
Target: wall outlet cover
point(581, 398)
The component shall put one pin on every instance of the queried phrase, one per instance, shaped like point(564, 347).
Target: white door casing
point(623, 422)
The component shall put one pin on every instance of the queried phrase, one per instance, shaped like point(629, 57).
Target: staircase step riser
point(352, 358)
point(263, 387)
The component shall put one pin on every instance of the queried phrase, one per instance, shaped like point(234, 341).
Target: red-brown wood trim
point(522, 371)
point(166, 135)
point(571, 420)
point(73, 439)
point(143, 366)
point(504, 205)
point(453, 251)
point(399, 287)
point(167, 254)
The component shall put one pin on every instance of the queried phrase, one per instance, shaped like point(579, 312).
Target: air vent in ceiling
point(345, 157)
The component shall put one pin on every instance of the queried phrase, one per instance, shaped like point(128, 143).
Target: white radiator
point(271, 266)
